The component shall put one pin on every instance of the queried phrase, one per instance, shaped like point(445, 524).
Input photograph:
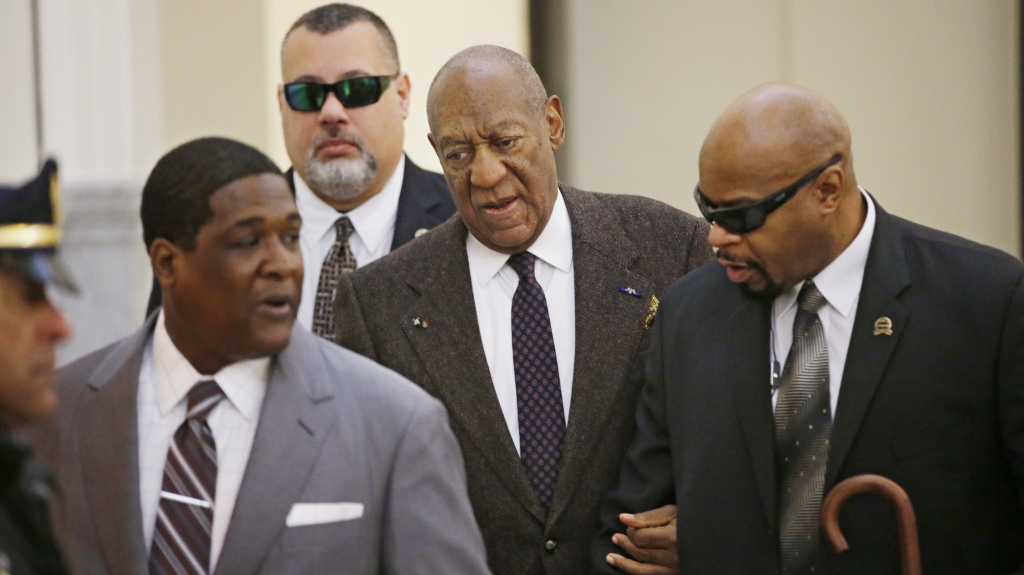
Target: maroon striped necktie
point(181, 540)
point(538, 388)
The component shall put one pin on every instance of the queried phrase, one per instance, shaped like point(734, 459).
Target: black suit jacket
point(618, 241)
point(423, 204)
point(938, 407)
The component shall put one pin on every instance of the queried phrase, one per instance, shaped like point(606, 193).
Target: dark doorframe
point(548, 46)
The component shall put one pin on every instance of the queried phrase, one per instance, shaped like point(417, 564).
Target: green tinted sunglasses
point(352, 93)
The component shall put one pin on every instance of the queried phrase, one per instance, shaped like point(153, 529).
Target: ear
point(281, 102)
point(403, 87)
point(556, 125)
point(164, 257)
point(433, 144)
point(830, 189)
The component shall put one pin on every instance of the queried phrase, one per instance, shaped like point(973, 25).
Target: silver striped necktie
point(184, 522)
point(339, 260)
point(803, 425)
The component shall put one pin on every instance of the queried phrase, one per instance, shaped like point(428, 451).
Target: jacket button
point(550, 545)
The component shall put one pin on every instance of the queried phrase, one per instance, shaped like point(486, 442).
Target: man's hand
point(651, 540)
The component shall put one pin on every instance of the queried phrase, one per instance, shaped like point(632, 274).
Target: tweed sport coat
point(618, 241)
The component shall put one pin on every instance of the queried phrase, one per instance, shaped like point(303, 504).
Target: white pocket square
point(317, 513)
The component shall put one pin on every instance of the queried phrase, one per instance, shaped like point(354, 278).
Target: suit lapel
point(416, 202)
point(609, 324)
point(294, 422)
point(885, 277)
point(452, 353)
point(745, 358)
point(109, 433)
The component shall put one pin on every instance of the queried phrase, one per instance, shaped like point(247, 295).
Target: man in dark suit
point(221, 438)
point(527, 315)
point(343, 105)
point(833, 340)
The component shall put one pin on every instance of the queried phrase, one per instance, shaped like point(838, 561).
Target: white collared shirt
point(164, 382)
point(494, 284)
point(373, 221)
point(840, 283)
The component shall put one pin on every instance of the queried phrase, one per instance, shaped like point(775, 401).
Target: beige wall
point(213, 71)
point(17, 92)
point(929, 88)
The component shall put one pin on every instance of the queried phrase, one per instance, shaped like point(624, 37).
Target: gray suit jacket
point(618, 242)
point(334, 427)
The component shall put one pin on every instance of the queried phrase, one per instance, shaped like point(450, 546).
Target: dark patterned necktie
point(181, 540)
point(339, 260)
point(538, 389)
point(803, 424)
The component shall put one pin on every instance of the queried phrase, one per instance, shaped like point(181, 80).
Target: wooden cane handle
point(906, 523)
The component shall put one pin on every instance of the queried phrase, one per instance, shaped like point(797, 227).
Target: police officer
point(30, 327)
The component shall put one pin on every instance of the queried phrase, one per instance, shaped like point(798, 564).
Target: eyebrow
point(446, 141)
point(257, 220)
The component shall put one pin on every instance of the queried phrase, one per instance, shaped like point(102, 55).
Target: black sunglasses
point(747, 218)
point(352, 93)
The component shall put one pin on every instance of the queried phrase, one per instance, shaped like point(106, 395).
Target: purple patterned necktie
point(181, 540)
point(538, 389)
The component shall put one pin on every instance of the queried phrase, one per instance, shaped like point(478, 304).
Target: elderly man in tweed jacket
point(526, 315)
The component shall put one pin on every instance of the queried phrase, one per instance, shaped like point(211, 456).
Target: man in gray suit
point(221, 438)
point(526, 315)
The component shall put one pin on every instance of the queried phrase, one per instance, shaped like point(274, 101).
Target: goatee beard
point(340, 179)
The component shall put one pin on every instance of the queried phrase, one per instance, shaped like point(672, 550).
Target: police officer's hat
point(30, 232)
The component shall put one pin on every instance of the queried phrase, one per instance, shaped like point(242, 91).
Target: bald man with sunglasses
point(343, 103)
point(833, 340)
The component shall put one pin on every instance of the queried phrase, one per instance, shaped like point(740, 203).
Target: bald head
point(478, 62)
point(777, 132)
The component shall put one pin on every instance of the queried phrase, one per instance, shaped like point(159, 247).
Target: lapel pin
point(631, 291)
point(883, 326)
point(419, 232)
point(420, 323)
point(651, 312)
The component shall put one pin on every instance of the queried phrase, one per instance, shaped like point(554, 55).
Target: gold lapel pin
point(883, 326)
point(651, 312)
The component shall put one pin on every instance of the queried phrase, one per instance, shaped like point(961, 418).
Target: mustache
point(728, 258)
point(334, 133)
point(771, 290)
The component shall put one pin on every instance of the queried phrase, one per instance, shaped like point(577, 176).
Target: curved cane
point(910, 554)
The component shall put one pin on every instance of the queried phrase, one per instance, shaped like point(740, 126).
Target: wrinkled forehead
point(485, 100)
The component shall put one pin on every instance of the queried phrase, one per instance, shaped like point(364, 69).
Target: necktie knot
point(344, 228)
point(523, 264)
point(810, 299)
point(202, 398)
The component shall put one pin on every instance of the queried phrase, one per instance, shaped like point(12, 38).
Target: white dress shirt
point(494, 284)
point(373, 221)
point(840, 284)
point(164, 382)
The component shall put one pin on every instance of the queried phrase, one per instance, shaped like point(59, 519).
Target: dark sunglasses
point(749, 217)
point(352, 93)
